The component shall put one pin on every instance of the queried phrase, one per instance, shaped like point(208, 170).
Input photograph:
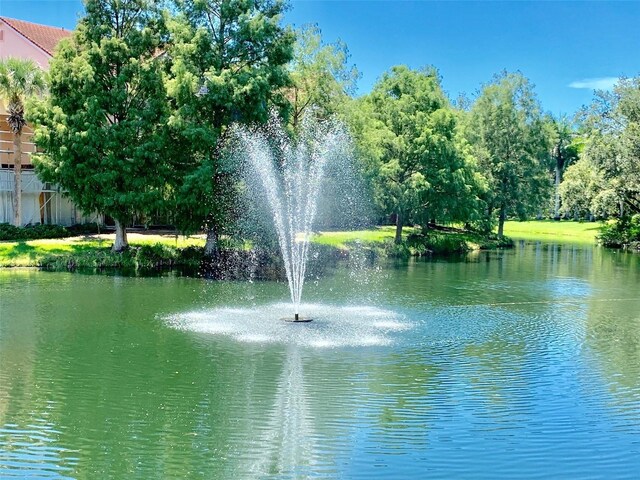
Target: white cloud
point(602, 83)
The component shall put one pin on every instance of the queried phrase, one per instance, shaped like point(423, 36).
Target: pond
point(515, 364)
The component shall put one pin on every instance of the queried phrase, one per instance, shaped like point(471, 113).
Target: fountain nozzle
point(297, 319)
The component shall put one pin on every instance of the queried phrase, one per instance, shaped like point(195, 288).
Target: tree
point(102, 129)
point(419, 161)
point(565, 146)
point(321, 76)
point(579, 189)
point(19, 80)
point(613, 143)
point(228, 63)
point(506, 131)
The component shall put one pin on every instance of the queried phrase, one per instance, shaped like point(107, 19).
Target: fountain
point(290, 174)
point(285, 178)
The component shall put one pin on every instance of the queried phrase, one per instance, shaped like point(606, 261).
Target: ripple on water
point(332, 326)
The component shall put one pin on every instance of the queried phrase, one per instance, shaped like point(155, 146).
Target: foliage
point(144, 257)
point(102, 129)
point(621, 233)
point(11, 232)
point(509, 140)
point(227, 62)
point(19, 80)
point(612, 124)
point(565, 148)
point(321, 76)
point(581, 191)
point(419, 162)
point(437, 243)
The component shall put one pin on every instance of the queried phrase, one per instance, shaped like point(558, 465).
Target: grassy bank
point(94, 251)
point(553, 231)
point(439, 242)
point(154, 251)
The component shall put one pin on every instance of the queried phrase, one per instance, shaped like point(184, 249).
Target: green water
point(520, 364)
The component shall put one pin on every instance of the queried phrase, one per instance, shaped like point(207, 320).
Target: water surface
point(518, 364)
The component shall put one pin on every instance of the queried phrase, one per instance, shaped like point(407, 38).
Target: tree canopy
point(227, 63)
point(102, 127)
point(321, 76)
point(420, 163)
point(612, 126)
point(506, 130)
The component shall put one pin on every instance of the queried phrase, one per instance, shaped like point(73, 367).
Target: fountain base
point(297, 319)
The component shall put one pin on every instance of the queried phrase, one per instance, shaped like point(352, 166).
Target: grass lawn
point(553, 231)
point(28, 253)
point(341, 239)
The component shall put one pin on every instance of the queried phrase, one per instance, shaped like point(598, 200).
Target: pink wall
point(12, 44)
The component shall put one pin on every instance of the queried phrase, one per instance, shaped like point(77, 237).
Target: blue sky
point(565, 48)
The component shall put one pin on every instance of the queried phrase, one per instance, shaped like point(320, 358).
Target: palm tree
point(19, 80)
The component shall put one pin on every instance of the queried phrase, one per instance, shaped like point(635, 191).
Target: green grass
point(30, 253)
point(553, 231)
point(342, 240)
point(439, 242)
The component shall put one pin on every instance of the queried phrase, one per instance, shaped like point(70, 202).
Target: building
point(41, 202)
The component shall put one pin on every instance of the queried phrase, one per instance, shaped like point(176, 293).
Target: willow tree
point(102, 129)
point(507, 131)
point(19, 80)
point(228, 63)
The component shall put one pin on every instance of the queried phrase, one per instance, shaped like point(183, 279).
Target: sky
point(565, 48)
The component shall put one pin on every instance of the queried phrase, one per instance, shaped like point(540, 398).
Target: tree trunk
point(398, 238)
point(211, 246)
point(17, 182)
point(556, 206)
point(501, 219)
point(121, 242)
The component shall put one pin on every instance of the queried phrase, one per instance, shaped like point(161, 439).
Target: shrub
point(620, 233)
point(145, 257)
point(32, 232)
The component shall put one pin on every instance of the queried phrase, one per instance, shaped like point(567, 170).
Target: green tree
point(321, 75)
point(579, 189)
point(613, 143)
point(102, 129)
point(19, 80)
point(565, 145)
point(228, 63)
point(507, 133)
point(419, 162)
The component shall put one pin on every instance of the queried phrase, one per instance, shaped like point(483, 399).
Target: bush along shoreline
point(234, 261)
point(624, 233)
point(10, 232)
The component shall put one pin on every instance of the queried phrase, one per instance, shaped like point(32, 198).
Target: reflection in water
point(508, 364)
point(287, 445)
point(33, 451)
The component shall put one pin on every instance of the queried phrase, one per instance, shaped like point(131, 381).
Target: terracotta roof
point(44, 36)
